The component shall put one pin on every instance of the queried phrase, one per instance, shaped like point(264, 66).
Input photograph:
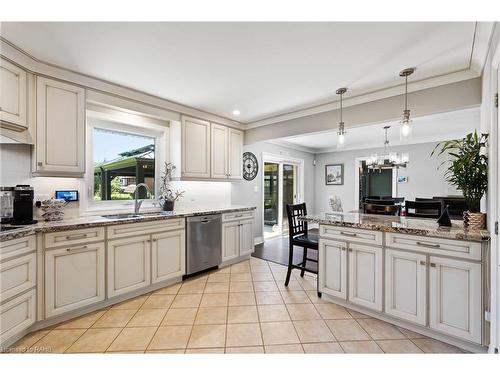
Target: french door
point(281, 187)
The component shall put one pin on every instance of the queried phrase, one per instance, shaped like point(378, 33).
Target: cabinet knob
point(433, 264)
point(39, 163)
point(422, 263)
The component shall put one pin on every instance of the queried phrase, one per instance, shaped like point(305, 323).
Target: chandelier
point(388, 160)
point(341, 132)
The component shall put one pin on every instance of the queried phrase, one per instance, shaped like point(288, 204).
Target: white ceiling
point(262, 69)
point(433, 128)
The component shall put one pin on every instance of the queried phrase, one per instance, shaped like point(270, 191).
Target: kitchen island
point(55, 271)
point(410, 272)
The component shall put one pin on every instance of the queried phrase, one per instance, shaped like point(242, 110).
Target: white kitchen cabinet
point(455, 298)
point(17, 315)
point(13, 95)
point(406, 285)
point(74, 277)
point(365, 276)
point(168, 255)
point(195, 148)
point(219, 147)
point(60, 143)
point(230, 240)
point(333, 268)
point(246, 234)
point(17, 275)
point(235, 154)
point(128, 264)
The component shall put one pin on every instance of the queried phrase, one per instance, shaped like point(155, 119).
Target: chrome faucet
point(138, 203)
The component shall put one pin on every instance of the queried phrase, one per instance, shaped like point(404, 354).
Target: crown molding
point(16, 55)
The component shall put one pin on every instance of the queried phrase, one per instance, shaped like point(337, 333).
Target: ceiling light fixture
point(405, 128)
point(341, 132)
point(388, 160)
point(236, 112)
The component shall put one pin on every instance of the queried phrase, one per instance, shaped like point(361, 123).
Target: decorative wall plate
point(250, 166)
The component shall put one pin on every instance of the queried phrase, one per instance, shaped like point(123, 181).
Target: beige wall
point(450, 97)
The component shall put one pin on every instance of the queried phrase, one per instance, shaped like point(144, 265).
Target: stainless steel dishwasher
point(203, 243)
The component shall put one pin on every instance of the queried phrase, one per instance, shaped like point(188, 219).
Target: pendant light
point(406, 128)
point(341, 132)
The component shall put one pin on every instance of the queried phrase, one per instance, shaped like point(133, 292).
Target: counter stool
point(298, 236)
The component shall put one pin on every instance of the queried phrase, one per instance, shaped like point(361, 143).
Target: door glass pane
point(271, 197)
point(121, 161)
point(289, 189)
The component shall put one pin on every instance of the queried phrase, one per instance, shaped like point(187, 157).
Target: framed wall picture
point(334, 174)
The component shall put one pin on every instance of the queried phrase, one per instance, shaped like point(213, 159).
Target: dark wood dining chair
point(424, 209)
point(381, 209)
point(298, 235)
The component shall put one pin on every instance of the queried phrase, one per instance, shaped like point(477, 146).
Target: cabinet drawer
point(134, 229)
point(73, 237)
point(17, 315)
point(17, 275)
point(237, 216)
point(16, 247)
point(438, 246)
point(351, 234)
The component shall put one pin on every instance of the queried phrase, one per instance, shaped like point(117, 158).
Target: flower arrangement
point(167, 196)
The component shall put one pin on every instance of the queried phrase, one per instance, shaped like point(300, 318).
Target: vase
point(474, 220)
point(168, 205)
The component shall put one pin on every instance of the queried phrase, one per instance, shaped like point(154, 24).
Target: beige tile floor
point(244, 308)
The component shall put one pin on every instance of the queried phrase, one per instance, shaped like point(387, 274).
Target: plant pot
point(474, 220)
point(168, 205)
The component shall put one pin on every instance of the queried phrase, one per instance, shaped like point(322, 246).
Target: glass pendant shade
point(341, 140)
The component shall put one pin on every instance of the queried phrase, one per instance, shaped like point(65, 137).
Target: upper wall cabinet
point(17, 102)
point(195, 148)
point(210, 151)
point(60, 133)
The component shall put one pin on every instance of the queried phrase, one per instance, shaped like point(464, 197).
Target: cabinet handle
point(433, 245)
point(76, 248)
point(154, 240)
point(422, 263)
point(76, 236)
point(350, 250)
point(433, 264)
point(39, 163)
point(240, 215)
point(348, 234)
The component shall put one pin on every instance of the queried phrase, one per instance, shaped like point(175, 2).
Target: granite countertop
point(400, 224)
point(97, 221)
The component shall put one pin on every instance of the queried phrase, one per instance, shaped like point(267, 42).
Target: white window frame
point(125, 123)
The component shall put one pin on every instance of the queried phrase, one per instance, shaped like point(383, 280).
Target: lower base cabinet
point(168, 255)
point(365, 276)
point(455, 298)
point(74, 277)
point(17, 315)
point(406, 285)
point(128, 264)
point(237, 239)
point(333, 272)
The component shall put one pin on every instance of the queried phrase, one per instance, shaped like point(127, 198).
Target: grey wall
point(250, 192)
point(424, 179)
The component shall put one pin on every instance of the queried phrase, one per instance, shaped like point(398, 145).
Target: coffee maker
point(23, 205)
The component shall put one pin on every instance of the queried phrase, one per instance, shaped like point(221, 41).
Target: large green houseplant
point(467, 169)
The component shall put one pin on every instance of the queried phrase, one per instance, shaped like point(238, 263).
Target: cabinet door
point(246, 235)
point(17, 275)
point(60, 146)
point(13, 94)
point(406, 285)
point(219, 149)
point(230, 240)
point(455, 298)
point(17, 315)
point(333, 268)
point(168, 255)
point(128, 264)
point(74, 277)
point(235, 168)
point(365, 276)
point(195, 148)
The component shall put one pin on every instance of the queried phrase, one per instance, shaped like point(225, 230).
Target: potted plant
point(167, 196)
point(468, 171)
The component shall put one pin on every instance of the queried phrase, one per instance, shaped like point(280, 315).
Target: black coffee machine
point(23, 205)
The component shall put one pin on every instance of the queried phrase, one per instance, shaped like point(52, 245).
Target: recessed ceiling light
point(236, 112)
